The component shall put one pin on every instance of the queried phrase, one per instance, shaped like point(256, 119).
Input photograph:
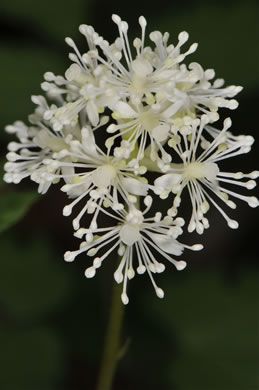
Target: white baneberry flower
point(200, 173)
point(194, 94)
point(110, 73)
point(138, 124)
point(119, 112)
point(94, 177)
point(86, 95)
point(134, 235)
point(37, 142)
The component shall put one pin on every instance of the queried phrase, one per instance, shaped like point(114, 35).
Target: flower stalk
point(111, 351)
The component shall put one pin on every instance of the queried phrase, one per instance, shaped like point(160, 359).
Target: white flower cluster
point(118, 113)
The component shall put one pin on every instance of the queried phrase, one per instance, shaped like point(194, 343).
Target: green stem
point(111, 352)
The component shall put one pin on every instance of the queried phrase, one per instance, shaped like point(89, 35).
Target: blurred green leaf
point(30, 359)
point(32, 281)
point(13, 206)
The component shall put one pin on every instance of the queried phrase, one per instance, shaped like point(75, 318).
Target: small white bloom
point(94, 177)
point(26, 158)
point(134, 235)
point(98, 78)
point(201, 175)
point(195, 94)
point(138, 124)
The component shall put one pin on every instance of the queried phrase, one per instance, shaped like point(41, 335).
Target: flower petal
point(142, 67)
point(160, 133)
point(167, 244)
point(125, 110)
point(92, 112)
point(168, 181)
point(134, 186)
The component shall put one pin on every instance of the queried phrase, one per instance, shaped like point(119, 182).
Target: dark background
point(204, 334)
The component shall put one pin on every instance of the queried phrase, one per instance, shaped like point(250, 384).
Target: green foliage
point(13, 206)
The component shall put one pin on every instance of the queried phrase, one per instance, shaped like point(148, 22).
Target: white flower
point(150, 71)
point(200, 172)
point(84, 87)
point(36, 143)
point(134, 235)
point(99, 79)
point(194, 94)
point(95, 177)
point(138, 124)
point(120, 112)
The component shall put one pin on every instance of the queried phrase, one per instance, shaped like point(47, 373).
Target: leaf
point(13, 206)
